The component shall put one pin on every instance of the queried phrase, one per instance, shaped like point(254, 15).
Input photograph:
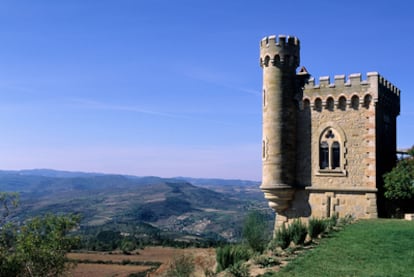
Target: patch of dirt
point(204, 259)
point(106, 270)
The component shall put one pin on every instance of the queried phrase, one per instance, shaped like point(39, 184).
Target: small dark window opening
point(330, 104)
point(367, 101)
point(324, 155)
point(264, 150)
point(318, 104)
point(342, 103)
point(266, 61)
point(335, 154)
point(355, 102)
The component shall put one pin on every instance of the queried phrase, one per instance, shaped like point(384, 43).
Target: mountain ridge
point(181, 205)
point(46, 172)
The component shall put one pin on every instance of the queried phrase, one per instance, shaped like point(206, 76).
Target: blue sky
point(172, 88)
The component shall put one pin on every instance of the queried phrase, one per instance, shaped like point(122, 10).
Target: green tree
point(399, 183)
point(255, 231)
point(8, 200)
point(38, 247)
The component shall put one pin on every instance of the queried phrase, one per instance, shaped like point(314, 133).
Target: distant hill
point(218, 182)
point(182, 205)
point(51, 173)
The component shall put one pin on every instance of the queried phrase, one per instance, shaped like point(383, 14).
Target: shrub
point(282, 237)
point(266, 261)
point(182, 266)
point(331, 222)
point(398, 183)
point(298, 232)
point(348, 219)
point(240, 269)
point(316, 227)
point(229, 255)
point(255, 231)
point(37, 248)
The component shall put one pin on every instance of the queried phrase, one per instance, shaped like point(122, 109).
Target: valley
point(119, 209)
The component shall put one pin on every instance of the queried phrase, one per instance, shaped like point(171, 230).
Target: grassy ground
point(367, 248)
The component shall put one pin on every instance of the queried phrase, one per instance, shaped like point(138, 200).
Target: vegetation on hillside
point(37, 247)
point(242, 259)
point(164, 211)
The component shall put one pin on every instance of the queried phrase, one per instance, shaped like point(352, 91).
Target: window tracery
point(331, 151)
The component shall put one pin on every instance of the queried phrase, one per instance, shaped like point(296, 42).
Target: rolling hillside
point(213, 208)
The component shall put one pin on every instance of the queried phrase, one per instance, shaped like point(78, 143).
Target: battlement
point(280, 40)
point(373, 79)
point(280, 50)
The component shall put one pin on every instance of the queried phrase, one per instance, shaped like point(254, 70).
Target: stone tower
point(325, 145)
point(279, 58)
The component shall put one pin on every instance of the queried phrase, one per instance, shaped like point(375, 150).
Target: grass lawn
point(380, 247)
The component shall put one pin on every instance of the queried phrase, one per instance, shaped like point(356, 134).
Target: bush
point(266, 261)
point(399, 182)
point(230, 255)
point(37, 248)
point(240, 269)
point(316, 227)
point(348, 219)
point(255, 231)
point(331, 222)
point(298, 232)
point(282, 237)
point(182, 266)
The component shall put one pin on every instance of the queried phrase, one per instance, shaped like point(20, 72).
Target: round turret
point(279, 58)
point(281, 51)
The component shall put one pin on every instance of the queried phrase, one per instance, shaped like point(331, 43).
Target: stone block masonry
point(326, 145)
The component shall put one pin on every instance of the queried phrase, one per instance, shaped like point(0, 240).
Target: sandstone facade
point(326, 144)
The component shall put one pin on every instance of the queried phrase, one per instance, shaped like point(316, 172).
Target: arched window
point(336, 150)
point(318, 104)
point(266, 61)
point(330, 104)
point(330, 150)
point(342, 103)
point(367, 100)
point(324, 155)
point(355, 102)
point(276, 60)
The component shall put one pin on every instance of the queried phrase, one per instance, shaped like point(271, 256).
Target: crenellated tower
point(279, 58)
point(326, 145)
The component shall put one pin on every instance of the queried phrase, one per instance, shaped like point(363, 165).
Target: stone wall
point(359, 204)
point(348, 110)
point(327, 157)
